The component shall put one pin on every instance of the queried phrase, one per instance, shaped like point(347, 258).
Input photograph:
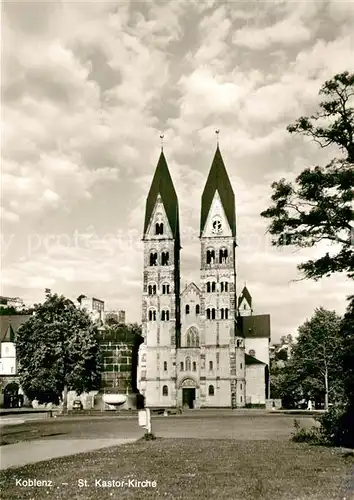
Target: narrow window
point(165, 366)
point(163, 289)
point(197, 340)
point(213, 286)
point(181, 366)
point(208, 257)
point(197, 309)
point(241, 386)
point(212, 256)
point(211, 390)
point(226, 313)
point(157, 228)
point(153, 259)
point(165, 390)
point(162, 315)
point(167, 315)
point(187, 309)
point(238, 343)
point(222, 286)
point(241, 399)
point(161, 228)
point(194, 366)
point(241, 366)
point(164, 258)
point(213, 314)
point(208, 287)
point(167, 289)
point(154, 315)
point(188, 339)
point(211, 366)
point(154, 290)
point(150, 315)
point(150, 290)
point(188, 364)
point(208, 313)
point(226, 286)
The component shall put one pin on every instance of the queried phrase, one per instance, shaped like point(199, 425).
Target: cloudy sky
point(88, 87)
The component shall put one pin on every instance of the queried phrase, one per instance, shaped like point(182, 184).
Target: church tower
point(223, 357)
point(161, 291)
point(244, 303)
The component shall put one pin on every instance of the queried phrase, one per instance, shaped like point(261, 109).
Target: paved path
point(19, 454)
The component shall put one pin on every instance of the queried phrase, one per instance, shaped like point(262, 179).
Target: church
point(203, 346)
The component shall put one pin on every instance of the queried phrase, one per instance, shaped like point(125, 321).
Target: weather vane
point(161, 137)
point(217, 136)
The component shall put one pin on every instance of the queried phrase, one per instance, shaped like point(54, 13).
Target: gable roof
point(189, 287)
point(257, 326)
point(218, 180)
point(251, 360)
point(162, 185)
point(245, 294)
point(9, 325)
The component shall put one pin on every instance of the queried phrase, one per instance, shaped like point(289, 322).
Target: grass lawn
point(193, 469)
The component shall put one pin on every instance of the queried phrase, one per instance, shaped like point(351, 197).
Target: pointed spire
point(218, 180)
point(162, 185)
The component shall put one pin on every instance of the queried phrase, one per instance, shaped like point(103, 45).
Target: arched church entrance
point(189, 387)
point(11, 395)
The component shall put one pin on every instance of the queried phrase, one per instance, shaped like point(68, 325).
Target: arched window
point(194, 366)
point(222, 313)
point(208, 313)
point(188, 364)
point(162, 315)
point(152, 315)
point(226, 313)
point(252, 352)
point(208, 287)
point(222, 255)
point(165, 289)
point(167, 315)
point(238, 343)
point(222, 286)
point(187, 309)
point(213, 314)
point(165, 390)
point(153, 259)
point(165, 366)
point(210, 256)
point(213, 286)
point(226, 286)
point(211, 390)
point(164, 258)
point(181, 366)
point(150, 290)
point(211, 366)
point(159, 228)
point(197, 309)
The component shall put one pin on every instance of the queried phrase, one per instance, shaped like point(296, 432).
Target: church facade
point(203, 346)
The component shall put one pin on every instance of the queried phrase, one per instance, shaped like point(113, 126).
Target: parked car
point(77, 405)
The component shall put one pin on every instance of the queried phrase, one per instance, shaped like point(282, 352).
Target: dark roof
point(218, 180)
point(8, 321)
point(255, 326)
point(162, 184)
point(251, 360)
point(245, 294)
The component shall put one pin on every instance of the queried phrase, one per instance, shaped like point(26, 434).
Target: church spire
point(162, 185)
point(218, 180)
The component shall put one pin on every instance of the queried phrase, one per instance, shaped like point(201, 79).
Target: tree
point(80, 297)
point(315, 358)
point(58, 350)
point(319, 207)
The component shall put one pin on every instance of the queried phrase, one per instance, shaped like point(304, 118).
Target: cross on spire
point(217, 136)
point(161, 137)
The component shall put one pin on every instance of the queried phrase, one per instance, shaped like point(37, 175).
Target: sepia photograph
point(177, 250)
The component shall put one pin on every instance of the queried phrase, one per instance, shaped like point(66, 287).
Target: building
point(14, 302)
point(94, 307)
point(11, 391)
point(115, 315)
point(202, 347)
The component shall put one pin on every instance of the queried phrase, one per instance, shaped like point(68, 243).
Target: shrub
point(302, 435)
point(336, 426)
